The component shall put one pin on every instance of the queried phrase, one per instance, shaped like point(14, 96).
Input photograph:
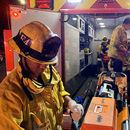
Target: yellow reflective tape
point(37, 84)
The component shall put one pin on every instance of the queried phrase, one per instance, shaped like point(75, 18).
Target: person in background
point(126, 62)
point(102, 52)
point(32, 95)
point(118, 46)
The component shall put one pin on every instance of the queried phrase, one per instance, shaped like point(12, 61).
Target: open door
point(21, 16)
point(83, 34)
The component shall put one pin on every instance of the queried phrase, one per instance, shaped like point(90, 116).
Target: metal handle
point(96, 107)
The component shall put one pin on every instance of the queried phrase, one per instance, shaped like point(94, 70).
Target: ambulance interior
point(81, 34)
point(85, 32)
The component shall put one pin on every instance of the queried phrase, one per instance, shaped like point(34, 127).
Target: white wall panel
point(71, 51)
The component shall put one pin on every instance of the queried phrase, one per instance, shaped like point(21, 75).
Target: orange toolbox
point(101, 115)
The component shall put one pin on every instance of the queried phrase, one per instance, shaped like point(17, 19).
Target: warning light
point(45, 4)
point(15, 14)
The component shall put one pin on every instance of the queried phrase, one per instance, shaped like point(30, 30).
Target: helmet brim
point(15, 47)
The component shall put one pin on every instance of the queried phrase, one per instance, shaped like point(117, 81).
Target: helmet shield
point(51, 47)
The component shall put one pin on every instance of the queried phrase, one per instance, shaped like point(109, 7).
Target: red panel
point(28, 3)
point(94, 10)
point(8, 51)
point(106, 5)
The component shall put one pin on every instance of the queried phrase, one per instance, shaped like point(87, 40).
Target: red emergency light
point(45, 4)
point(15, 14)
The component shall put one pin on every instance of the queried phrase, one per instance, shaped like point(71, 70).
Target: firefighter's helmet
point(104, 39)
point(36, 42)
point(128, 41)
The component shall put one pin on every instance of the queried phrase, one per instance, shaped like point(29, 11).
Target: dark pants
point(117, 65)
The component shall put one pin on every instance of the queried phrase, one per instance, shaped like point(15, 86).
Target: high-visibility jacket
point(118, 39)
point(44, 110)
point(102, 51)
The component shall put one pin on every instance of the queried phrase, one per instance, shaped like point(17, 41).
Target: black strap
point(26, 75)
point(26, 91)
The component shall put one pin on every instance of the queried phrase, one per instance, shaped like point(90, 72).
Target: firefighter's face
point(127, 27)
point(35, 68)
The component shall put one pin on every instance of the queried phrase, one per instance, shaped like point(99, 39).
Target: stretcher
point(108, 109)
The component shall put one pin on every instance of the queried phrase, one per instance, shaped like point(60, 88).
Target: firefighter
point(32, 95)
point(126, 62)
point(102, 57)
point(118, 46)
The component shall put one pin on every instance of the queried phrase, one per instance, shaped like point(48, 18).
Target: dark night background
point(4, 24)
point(4, 16)
point(4, 12)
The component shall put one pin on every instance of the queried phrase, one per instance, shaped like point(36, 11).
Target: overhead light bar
point(74, 1)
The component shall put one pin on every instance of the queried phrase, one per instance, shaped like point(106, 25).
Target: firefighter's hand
point(76, 109)
point(127, 54)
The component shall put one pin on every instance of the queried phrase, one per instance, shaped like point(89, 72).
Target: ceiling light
point(99, 19)
point(74, 18)
point(103, 26)
point(101, 23)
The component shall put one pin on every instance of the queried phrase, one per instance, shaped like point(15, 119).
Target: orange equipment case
point(101, 115)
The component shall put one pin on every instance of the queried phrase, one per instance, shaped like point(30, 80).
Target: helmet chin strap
point(26, 73)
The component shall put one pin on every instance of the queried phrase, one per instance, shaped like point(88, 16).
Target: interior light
point(75, 1)
point(103, 26)
point(101, 23)
point(99, 19)
point(74, 18)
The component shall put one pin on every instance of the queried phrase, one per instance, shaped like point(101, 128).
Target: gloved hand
point(127, 54)
point(76, 109)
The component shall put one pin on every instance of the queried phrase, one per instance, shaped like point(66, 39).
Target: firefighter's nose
point(43, 66)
